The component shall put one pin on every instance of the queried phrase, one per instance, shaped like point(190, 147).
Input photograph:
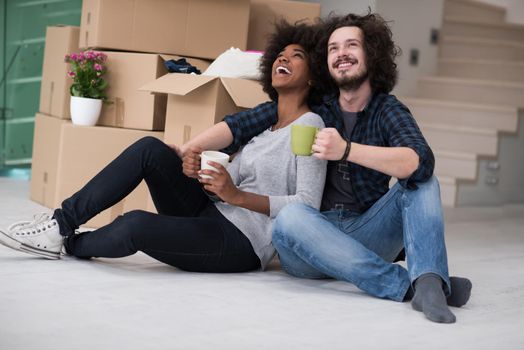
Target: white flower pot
point(85, 111)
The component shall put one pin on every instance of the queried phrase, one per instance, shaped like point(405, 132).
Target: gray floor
point(137, 303)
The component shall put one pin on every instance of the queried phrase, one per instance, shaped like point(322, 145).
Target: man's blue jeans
point(360, 248)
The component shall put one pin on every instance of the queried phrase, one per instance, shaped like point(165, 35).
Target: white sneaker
point(40, 237)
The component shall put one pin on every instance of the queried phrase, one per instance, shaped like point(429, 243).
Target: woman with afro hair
point(193, 231)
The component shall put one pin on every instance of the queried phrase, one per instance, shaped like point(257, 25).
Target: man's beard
point(352, 83)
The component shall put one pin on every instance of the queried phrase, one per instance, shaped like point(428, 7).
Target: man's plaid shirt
point(385, 122)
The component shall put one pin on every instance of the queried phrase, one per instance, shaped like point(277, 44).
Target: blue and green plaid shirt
point(385, 122)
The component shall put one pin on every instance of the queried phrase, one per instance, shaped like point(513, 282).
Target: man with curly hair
point(370, 136)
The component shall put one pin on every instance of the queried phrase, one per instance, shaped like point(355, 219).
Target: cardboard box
point(196, 102)
point(46, 146)
point(129, 107)
point(196, 28)
point(67, 156)
point(54, 90)
point(264, 14)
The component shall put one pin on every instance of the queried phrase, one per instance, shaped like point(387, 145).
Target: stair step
point(475, 48)
point(482, 69)
point(470, 90)
point(460, 139)
point(453, 26)
point(475, 10)
point(448, 190)
point(456, 164)
point(463, 114)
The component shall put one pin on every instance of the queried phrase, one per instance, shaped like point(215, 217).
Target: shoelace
point(38, 219)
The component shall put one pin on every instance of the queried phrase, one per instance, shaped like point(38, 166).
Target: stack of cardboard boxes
point(145, 100)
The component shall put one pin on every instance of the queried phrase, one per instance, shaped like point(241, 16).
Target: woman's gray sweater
point(266, 166)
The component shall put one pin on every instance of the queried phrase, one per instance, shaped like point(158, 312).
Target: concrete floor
point(138, 303)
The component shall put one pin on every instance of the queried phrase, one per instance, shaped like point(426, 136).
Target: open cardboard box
point(196, 102)
point(196, 28)
point(129, 107)
point(67, 156)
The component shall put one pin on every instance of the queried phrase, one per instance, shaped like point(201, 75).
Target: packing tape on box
point(115, 112)
point(187, 134)
point(120, 112)
point(51, 96)
point(44, 189)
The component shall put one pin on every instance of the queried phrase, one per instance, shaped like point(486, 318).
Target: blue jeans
point(360, 248)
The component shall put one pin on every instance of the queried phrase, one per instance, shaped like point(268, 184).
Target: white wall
point(411, 24)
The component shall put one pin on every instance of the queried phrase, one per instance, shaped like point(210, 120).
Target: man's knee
point(427, 191)
point(425, 201)
point(290, 216)
point(288, 222)
point(431, 184)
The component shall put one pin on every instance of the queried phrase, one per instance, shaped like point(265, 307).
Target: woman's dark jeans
point(188, 232)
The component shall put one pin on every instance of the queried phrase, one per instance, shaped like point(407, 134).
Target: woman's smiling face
point(291, 68)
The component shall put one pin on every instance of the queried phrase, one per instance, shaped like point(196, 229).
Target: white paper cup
point(213, 156)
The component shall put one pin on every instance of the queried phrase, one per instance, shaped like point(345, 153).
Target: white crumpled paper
point(235, 63)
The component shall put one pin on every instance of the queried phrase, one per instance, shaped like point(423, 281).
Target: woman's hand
point(220, 183)
point(191, 162)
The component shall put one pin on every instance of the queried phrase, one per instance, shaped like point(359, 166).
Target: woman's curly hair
point(379, 48)
point(286, 34)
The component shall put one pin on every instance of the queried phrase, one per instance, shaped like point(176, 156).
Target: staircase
point(476, 93)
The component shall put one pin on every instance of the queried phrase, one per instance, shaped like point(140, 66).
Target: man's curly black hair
point(379, 48)
point(286, 34)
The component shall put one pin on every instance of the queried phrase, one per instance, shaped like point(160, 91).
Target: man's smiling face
point(346, 58)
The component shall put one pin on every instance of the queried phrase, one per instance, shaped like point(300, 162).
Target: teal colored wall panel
point(23, 99)
point(26, 62)
point(19, 140)
point(22, 28)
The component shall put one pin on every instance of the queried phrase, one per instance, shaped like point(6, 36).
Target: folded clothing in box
point(181, 66)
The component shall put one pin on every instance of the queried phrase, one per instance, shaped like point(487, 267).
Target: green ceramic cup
point(302, 139)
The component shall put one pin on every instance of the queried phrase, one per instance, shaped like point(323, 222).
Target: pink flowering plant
point(87, 71)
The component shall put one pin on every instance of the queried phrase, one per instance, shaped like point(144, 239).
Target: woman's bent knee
point(149, 141)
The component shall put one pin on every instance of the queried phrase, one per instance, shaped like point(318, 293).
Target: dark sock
point(460, 291)
point(430, 299)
